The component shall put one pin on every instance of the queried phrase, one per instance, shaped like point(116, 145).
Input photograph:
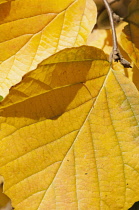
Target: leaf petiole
point(116, 55)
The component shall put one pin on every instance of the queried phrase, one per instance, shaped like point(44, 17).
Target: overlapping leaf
point(130, 35)
point(33, 30)
point(102, 39)
point(70, 135)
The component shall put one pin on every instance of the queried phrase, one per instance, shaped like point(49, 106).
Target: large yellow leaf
point(32, 30)
point(69, 136)
point(130, 34)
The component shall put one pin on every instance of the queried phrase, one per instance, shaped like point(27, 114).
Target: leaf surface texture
point(34, 30)
point(69, 135)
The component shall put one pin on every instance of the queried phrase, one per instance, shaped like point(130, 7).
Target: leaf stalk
point(115, 55)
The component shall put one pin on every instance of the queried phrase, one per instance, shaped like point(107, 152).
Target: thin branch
point(116, 55)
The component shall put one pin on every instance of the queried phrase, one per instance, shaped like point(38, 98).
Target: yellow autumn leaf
point(130, 34)
point(70, 135)
point(5, 1)
point(33, 30)
point(102, 39)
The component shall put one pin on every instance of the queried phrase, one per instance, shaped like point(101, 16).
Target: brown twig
point(116, 55)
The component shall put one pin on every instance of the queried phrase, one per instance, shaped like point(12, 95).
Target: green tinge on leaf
point(1, 98)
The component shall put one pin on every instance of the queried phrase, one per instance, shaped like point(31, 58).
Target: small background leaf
point(130, 34)
point(102, 39)
point(129, 41)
